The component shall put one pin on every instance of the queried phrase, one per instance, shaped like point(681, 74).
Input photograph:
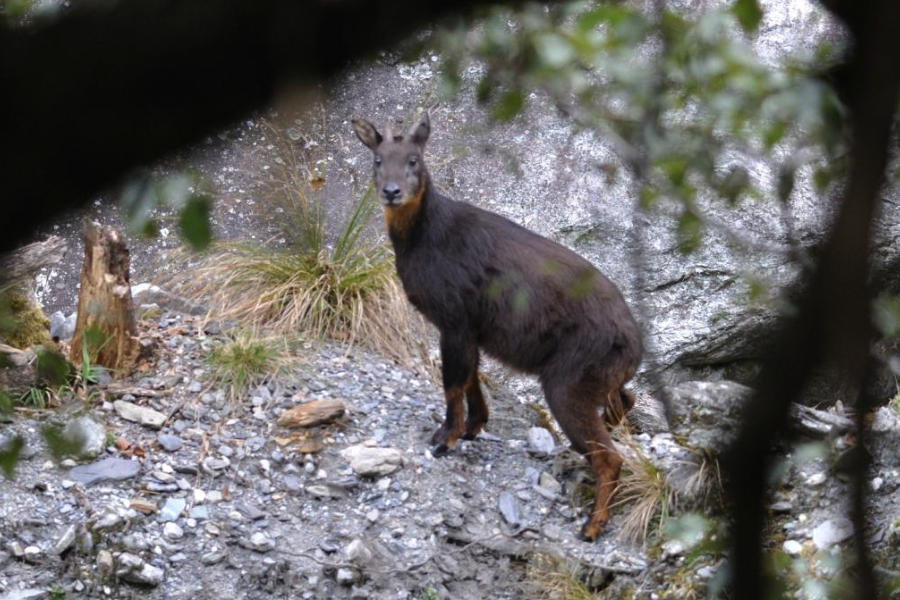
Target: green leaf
point(774, 133)
point(748, 14)
point(786, 182)
point(509, 105)
point(6, 403)
point(51, 366)
point(62, 445)
point(194, 222)
point(9, 455)
point(690, 230)
point(484, 89)
point(608, 15)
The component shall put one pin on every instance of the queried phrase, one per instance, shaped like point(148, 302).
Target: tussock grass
point(245, 359)
point(550, 577)
point(346, 290)
point(645, 492)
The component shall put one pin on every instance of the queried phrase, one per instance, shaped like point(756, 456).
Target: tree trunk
point(105, 312)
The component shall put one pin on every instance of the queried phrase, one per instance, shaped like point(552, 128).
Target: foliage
point(143, 195)
point(684, 101)
point(245, 359)
point(23, 323)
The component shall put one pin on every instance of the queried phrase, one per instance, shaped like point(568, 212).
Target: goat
point(487, 283)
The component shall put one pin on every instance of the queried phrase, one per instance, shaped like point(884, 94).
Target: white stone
point(793, 547)
point(831, 532)
point(367, 462)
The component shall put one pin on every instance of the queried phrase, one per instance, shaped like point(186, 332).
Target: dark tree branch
point(86, 99)
point(833, 324)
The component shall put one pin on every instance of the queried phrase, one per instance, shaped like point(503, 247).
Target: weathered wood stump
point(105, 311)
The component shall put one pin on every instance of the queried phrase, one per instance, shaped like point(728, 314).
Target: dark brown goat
point(488, 283)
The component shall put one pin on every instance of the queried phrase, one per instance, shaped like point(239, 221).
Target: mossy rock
point(30, 326)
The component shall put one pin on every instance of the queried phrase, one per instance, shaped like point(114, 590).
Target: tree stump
point(105, 311)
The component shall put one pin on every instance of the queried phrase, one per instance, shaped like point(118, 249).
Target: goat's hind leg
point(477, 407)
point(576, 411)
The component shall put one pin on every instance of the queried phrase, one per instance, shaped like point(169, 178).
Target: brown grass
point(550, 577)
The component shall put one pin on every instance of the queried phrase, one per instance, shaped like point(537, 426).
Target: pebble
point(816, 479)
point(346, 576)
point(792, 547)
point(143, 415)
point(170, 443)
point(509, 509)
point(172, 531)
point(172, 509)
point(540, 441)
point(260, 542)
point(132, 568)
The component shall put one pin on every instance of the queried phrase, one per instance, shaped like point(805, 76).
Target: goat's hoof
point(440, 450)
point(469, 436)
point(590, 532)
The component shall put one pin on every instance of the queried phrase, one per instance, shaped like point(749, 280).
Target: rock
point(86, 434)
point(133, 569)
point(358, 552)
point(310, 414)
point(169, 443)
point(816, 479)
point(148, 507)
point(62, 327)
point(259, 542)
point(105, 563)
point(199, 513)
point(251, 512)
point(212, 558)
point(26, 594)
point(172, 531)
point(146, 293)
point(509, 509)
point(546, 481)
point(346, 576)
point(172, 509)
point(371, 462)
point(139, 414)
point(67, 540)
point(107, 469)
point(540, 441)
point(792, 547)
point(831, 532)
point(707, 414)
point(215, 466)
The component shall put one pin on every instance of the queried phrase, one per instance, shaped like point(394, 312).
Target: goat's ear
point(367, 133)
point(418, 133)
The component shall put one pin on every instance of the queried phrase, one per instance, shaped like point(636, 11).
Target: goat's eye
point(413, 160)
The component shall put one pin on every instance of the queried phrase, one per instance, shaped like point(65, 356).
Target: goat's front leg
point(459, 363)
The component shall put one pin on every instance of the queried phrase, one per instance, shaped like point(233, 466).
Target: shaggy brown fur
point(487, 283)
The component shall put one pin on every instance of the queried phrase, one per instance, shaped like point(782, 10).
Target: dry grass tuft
point(646, 490)
point(346, 290)
point(551, 577)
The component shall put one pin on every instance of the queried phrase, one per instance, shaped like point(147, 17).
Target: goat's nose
point(391, 191)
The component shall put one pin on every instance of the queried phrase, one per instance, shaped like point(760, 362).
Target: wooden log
point(105, 311)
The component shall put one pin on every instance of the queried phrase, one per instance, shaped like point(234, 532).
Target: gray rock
point(87, 434)
point(105, 563)
point(831, 532)
point(200, 513)
point(213, 558)
point(62, 327)
point(26, 594)
point(146, 293)
point(215, 466)
point(259, 542)
point(67, 540)
point(169, 443)
point(292, 484)
point(509, 508)
point(107, 469)
point(371, 462)
point(540, 441)
point(546, 481)
point(133, 569)
point(172, 531)
point(139, 414)
point(172, 509)
point(346, 576)
point(792, 547)
point(251, 512)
